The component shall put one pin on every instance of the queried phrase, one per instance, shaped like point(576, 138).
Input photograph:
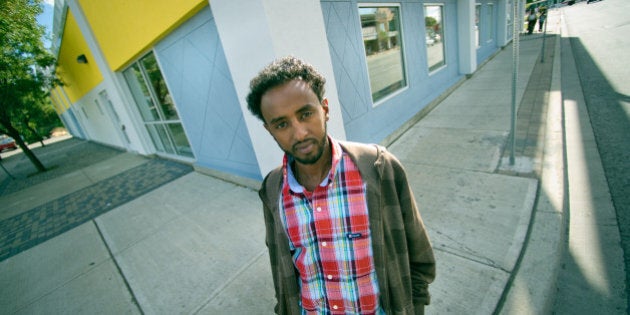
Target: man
point(343, 230)
point(531, 21)
point(541, 18)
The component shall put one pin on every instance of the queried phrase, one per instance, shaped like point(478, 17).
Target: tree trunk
point(25, 121)
point(31, 156)
point(39, 137)
point(15, 134)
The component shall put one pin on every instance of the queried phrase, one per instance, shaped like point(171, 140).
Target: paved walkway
point(150, 236)
point(22, 228)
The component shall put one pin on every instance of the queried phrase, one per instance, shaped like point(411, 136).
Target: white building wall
point(467, 45)
point(275, 28)
point(503, 34)
point(96, 121)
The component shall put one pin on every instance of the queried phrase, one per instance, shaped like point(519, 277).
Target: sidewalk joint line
point(120, 271)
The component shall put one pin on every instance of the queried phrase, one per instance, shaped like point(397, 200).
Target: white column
point(466, 33)
point(502, 25)
point(254, 33)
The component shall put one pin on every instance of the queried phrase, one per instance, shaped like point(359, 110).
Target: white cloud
point(49, 2)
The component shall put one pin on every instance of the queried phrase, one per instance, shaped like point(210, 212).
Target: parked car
point(7, 143)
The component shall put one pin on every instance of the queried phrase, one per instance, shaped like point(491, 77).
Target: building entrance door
point(113, 115)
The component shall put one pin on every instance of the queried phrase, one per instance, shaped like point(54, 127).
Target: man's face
point(296, 120)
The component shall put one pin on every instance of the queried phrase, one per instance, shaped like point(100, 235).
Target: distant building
point(170, 77)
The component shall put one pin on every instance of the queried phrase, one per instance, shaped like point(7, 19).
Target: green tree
point(37, 120)
point(25, 75)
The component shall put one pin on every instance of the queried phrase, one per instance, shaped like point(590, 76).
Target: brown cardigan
point(403, 256)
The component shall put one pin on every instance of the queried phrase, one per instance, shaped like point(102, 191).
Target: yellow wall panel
point(62, 96)
point(126, 28)
point(79, 78)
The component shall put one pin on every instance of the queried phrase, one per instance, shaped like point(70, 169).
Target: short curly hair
point(279, 72)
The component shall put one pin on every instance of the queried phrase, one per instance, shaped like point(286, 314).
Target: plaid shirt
point(329, 236)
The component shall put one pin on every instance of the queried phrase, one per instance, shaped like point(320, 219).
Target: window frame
point(403, 57)
point(490, 12)
point(443, 27)
point(478, 24)
point(159, 123)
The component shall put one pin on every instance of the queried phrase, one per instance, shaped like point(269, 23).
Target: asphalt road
point(600, 43)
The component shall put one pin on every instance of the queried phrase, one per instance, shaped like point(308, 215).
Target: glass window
point(509, 10)
point(148, 88)
point(491, 21)
point(159, 86)
point(434, 33)
point(477, 16)
point(382, 40)
point(139, 90)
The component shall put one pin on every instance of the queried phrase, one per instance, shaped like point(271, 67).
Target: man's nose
point(300, 131)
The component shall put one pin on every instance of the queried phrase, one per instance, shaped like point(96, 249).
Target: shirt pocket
point(360, 252)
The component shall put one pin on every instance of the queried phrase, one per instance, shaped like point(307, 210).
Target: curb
point(533, 286)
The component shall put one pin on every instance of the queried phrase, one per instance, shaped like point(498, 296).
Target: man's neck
point(311, 175)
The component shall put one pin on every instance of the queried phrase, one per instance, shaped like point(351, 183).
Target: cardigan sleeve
point(421, 259)
point(270, 237)
point(282, 270)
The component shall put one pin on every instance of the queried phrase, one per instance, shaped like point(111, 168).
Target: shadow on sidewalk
point(54, 217)
point(585, 285)
point(60, 158)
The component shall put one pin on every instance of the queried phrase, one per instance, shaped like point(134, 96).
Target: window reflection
point(140, 92)
point(148, 88)
point(383, 48)
point(434, 36)
point(159, 86)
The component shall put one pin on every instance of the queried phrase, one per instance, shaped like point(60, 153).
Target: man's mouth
point(304, 147)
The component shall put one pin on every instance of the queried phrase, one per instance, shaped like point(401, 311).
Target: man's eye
point(281, 125)
point(307, 114)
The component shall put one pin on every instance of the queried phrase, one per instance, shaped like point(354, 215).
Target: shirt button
point(319, 209)
point(324, 243)
point(335, 306)
point(329, 277)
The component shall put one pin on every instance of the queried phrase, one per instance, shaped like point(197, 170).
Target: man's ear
point(325, 107)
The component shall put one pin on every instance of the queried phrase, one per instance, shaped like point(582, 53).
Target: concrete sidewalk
point(195, 244)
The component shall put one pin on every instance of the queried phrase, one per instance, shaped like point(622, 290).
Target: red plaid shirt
point(329, 235)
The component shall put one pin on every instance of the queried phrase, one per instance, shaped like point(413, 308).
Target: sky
point(46, 19)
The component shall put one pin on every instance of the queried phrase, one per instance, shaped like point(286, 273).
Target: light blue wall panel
point(488, 39)
point(196, 71)
point(363, 121)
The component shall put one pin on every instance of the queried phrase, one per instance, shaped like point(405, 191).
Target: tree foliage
point(25, 70)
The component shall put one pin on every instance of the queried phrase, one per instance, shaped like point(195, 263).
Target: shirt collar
point(288, 160)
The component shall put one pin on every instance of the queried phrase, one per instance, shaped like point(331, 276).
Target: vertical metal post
point(542, 53)
point(516, 26)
